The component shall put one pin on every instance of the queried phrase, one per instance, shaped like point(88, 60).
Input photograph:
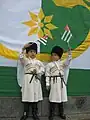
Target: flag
point(67, 34)
point(61, 21)
point(43, 40)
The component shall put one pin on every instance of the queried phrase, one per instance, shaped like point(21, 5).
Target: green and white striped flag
point(67, 34)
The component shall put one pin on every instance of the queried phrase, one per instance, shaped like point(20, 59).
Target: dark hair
point(58, 50)
point(33, 46)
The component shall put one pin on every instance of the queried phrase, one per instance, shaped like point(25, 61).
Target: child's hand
point(38, 76)
point(34, 71)
point(25, 46)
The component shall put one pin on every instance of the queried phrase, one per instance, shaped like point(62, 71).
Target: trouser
point(26, 108)
point(52, 108)
point(34, 108)
point(61, 108)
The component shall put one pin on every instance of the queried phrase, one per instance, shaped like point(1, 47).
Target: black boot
point(51, 110)
point(24, 117)
point(61, 111)
point(26, 111)
point(35, 111)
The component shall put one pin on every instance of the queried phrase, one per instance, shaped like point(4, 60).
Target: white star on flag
point(67, 34)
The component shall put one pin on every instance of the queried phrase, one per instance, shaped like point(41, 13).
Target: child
point(55, 80)
point(31, 87)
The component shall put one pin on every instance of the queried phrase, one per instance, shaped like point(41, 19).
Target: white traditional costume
point(56, 77)
point(30, 82)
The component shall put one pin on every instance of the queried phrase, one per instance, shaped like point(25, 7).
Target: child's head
point(56, 53)
point(32, 50)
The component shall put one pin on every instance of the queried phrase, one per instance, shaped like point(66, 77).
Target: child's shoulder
point(39, 62)
point(49, 64)
point(62, 61)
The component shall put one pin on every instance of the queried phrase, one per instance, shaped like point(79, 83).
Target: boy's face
point(55, 57)
point(32, 54)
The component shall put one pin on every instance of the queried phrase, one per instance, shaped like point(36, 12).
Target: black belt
point(55, 78)
point(62, 79)
point(33, 75)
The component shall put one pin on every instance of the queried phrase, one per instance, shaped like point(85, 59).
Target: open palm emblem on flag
point(67, 34)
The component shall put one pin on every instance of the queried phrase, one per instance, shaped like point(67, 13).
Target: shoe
point(62, 116)
point(35, 117)
point(50, 118)
point(24, 117)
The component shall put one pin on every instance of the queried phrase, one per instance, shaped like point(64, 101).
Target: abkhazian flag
point(67, 34)
point(22, 21)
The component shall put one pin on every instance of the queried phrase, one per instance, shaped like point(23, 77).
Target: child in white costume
point(31, 85)
point(55, 80)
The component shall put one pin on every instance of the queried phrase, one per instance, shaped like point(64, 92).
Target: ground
point(77, 108)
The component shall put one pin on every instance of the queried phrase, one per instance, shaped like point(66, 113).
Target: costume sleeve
point(22, 57)
point(47, 74)
point(66, 63)
point(66, 73)
point(20, 73)
point(20, 69)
